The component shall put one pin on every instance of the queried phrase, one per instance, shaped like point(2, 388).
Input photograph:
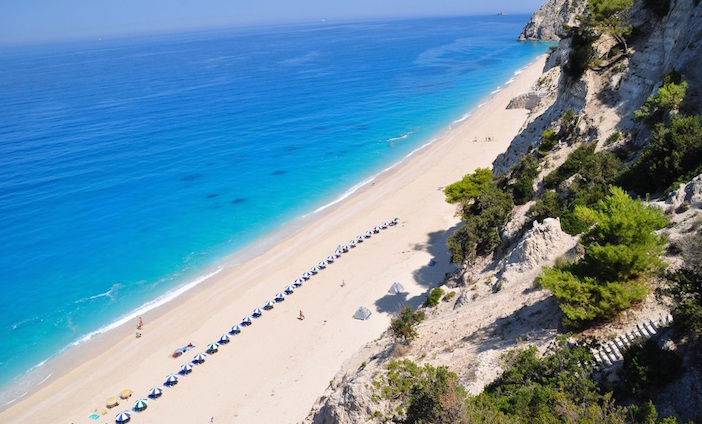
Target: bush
point(685, 288)
point(548, 206)
point(549, 139)
point(619, 247)
point(581, 53)
point(647, 368)
point(435, 296)
point(438, 397)
point(673, 152)
point(402, 326)
point(524, 172)
point(659, 107)
point(469, 187)
point(484, 219)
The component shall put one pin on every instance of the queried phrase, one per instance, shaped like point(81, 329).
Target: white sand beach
point(276, 368)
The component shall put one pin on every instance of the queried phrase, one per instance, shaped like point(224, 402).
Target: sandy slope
point(275, 369)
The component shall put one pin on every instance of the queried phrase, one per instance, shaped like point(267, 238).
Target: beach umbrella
point(352, 243)
point(314, 270)
point(289, 289)
point(140, 405)
point(396, 288)
point(112, 402)
point(124, 394)
point(246, 320)
point(257, 312)
point(279, 297)
point(306, 275)
point(377, 229)
point(123, 417)
point(360, 238)
point(269, 305)
point(235, 329)
point(224, 339)
point(369, 233)
point(298, 282)
point(171, 379)
point(331, 258)
point(395, 221)
point(199, 358)
point(186, 368)
point(362, 313)
point(384, 225)
point(338, 252)
point(212, 347)
point(322, 264)
point(155, 392)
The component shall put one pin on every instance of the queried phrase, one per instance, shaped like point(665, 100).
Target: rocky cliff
point(465, 332)
point(546, 24)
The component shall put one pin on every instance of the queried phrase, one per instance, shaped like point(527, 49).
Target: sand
point(275, 369)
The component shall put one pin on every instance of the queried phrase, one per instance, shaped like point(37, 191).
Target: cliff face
point(546, 24)
point(465, 334)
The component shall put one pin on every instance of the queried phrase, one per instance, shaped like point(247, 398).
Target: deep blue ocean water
point(130, 166)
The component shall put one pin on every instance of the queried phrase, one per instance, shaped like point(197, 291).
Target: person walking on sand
point(141, 323)
point(302, 316)
point(343, 283)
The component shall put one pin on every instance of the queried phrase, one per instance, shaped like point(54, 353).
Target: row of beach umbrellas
point(199, 358)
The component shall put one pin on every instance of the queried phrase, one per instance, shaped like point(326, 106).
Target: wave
point(400, 138)
point(108, 293)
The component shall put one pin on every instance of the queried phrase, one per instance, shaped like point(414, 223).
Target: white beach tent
point(362, 313)
point(396, 288)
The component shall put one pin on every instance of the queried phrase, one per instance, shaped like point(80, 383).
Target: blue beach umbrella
point(224, 339)
point(322, 264)
point(306, 275)
point(186, 369)
point(155, 392)
point(298, 282)
point(360, 238)
point(346, 248)
point(384, 225)
point(246, 320)
point(369, 233)
point(123, 417)
point(279, 297)
point(212, 347)
point(314, 270)
point(331, 258)
point(257, 312)
point(235, 329)
point(199, 358)
point(171, 380)
point(352, 243)
point(140, 405)
point(269, 305)
point(377, 229)
point(289, 289)
point(395, 221)
point(338, 252)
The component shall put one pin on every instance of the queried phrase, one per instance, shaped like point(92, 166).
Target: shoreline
point(296, 243)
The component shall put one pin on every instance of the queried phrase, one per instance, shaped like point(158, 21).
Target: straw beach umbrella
point(112, 402)
point(123, 417)
point(279, 297)
point(257, 312)
point(235, 329)
point(126, 393)
point(171, 380)
point(140, 405)
point(155, 392)
point(199, 358)
point(224, 339)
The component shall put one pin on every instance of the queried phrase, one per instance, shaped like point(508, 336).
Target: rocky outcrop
point(687, 195)
point(540, 245)
point(546, 24)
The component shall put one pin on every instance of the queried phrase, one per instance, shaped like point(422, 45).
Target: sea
point(131, 167)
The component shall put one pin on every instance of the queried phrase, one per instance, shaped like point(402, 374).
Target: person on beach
point(141, 323)
point(343, 283)
point(302, 316)
point(138, 334)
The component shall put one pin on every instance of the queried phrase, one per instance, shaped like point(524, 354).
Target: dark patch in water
point(292, 148)
point(362, 127)
point(190, 177)
point(239, 200)
point(211, 196)
point(279, 172)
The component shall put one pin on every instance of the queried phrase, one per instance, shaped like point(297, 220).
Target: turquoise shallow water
point(128, 167)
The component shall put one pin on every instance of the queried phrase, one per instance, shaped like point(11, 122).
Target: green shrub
point(646, 368)
point(437, 397)
point(549, 139)
point(581, 53)
point(613, 138)
point(548, 206)
point(402, 325)
point(666, 102)
point(469, 187)
point(524, 173)
point(684, 286)
point(435, 296)
point(483, 221)
point(673, 152)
